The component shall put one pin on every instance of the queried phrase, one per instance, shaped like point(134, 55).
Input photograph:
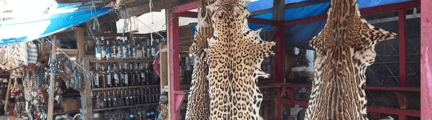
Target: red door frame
point(182, 11)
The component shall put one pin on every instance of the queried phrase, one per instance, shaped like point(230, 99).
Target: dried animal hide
point(13, 56)
point(234, 56)
point(344, 48)
point(199, 99)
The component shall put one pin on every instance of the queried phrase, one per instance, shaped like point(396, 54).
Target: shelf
point(122, 107)
point(63, 113)
point(124, 87)
point(120, 60)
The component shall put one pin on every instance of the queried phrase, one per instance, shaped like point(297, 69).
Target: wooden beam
point(52, 83)
point(158, 5)
point(8, 93)
point(86, 93)
point(80, 43)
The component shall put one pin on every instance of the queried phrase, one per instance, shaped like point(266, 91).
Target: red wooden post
point(402, 49)
point(426, 60)
point(174, 64)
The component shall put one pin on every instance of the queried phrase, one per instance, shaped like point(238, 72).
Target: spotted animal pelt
point(234, 56)
point(199, 100)
point(344, 49)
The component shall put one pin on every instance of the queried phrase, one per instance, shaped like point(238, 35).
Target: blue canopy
point(300, 34)
point(26, 29)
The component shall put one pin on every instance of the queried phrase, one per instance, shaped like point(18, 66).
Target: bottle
point(144, 49)
point(147, 70)
point(131, 75)
point(116, 76)
point(134, 49)
point(114, 50)
point(124, 50)
point(131, 97)
point(120, 98)
point(119, 50)
point(109, 76)
point(142, 96)
point(138, 47)
point(98, 100)
point(129, 48)
point(131, 115)
point(103, 49)
point(148, 48)
point(153, 48)
point(137, 75)
point(114, 97)
point(97, 77)
point(102, 78)
point(127, 101)
point(109, 100)
point(143, 75)
point(137, 96)
point(98, 49)
point(108, 50)
point(122, 75)
point(126, 74)
point(94, 101)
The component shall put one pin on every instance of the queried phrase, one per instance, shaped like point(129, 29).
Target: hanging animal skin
point(199, 99)
point(344, 49)
point(234, 56)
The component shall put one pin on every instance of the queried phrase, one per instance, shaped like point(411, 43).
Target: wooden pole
point(7, 92)
point(87, 101)
point(52, 83)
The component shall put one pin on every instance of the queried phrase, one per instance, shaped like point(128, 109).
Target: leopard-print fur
point(235, 55)
point(199, 100)
point(344, 49)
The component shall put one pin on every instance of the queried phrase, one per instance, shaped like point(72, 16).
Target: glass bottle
point(138, 47)
point(104, 103)
point(129, 48)
point(108, 50)
point(103, 49)
point(116, 76)
point(97, 77)
point(103, 76)
point(146, 95)
point(144, 49)
point(109, 100)
point(109, 76)
point(114, 97)
point(126, 96)
point(148, 74)
point(119, 49)
point(95, 98)
point(131, 97)
point(133, 49)
point(143, 75)
point(122, 75)
point(148, 46)
point(142, 96)
point(131, 75)
point(114, 50)
point(120, 98)
point(153, 48)
point(98, 49)
point(124, 50)
point(126, 74)
point(137, 75)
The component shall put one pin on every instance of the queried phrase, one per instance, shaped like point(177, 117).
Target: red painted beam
point(414, 113)
point(392, 111)
point(377, 9)
point(403, 79)
point(279, 103)
point(280, 54)
point(185, 7)
point(174, 49)
point(250, 20)
point(426, 60)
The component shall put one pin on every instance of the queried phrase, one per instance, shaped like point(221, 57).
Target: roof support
point(426, 60)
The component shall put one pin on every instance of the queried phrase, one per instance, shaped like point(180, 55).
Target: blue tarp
point(26, 29)
point(300, 34)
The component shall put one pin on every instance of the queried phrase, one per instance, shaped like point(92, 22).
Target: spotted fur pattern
point(199, 100)
point(344, 49)
point(235, 55)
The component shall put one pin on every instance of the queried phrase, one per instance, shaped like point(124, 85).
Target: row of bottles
point(116, 98)
point(126, 49)
point(137, 113)
point(123, 74)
